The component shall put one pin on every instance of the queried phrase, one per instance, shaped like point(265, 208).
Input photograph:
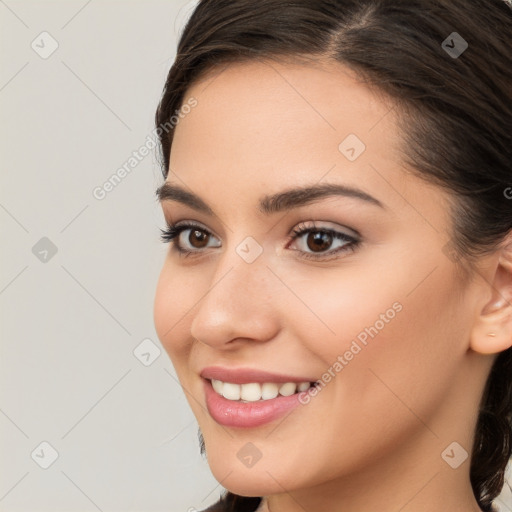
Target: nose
point(238, 305)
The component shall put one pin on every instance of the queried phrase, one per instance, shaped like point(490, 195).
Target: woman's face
point(373, 308)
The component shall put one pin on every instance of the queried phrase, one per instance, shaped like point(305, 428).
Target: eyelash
point(173, 231)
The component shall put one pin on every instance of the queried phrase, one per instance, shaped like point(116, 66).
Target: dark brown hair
point(455, 121)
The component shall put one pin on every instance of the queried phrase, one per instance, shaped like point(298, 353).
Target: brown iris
point(198, 236)
point(319, 240)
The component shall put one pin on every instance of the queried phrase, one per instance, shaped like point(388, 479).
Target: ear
point(492, 330)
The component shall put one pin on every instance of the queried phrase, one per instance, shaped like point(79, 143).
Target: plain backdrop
point(91, 414)
point(78, 274)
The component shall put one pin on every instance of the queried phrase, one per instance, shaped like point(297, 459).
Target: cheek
point(383, 337)
point(339, 310)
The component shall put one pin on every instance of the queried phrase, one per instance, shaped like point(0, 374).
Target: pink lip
point(247, 415)
point(248, 375)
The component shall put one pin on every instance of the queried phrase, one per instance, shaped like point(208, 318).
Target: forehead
point(266, 113)
point(326, 94)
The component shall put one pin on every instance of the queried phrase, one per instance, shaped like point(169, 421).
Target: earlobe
point(492, 331)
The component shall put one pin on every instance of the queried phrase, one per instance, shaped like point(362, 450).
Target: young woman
point(336, 299)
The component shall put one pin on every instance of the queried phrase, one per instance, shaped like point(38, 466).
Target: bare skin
point(373, 438)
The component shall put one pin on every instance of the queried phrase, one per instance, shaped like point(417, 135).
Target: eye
point(314, 241)
point(319, 240)
point(195, 237)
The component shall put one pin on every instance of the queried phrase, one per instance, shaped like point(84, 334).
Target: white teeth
point(231, 391)
point(217, 385)
point(269, 390)
point(303, 386)
point(288, 389)
point(252, 392)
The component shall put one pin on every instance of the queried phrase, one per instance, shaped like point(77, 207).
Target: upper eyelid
point(189, 224)
point(320, 226)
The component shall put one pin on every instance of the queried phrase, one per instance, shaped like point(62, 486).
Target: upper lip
point(248, 375)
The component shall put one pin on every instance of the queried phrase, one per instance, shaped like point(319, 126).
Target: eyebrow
point(269, 204)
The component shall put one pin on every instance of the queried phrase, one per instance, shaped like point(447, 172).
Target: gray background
point(72, 319)
point(125, 437)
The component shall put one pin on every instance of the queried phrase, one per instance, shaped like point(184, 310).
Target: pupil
point(321, 240)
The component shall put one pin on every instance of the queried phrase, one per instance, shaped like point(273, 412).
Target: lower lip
point(231, 413)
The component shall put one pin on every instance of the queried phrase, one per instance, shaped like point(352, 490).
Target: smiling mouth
point(258, 392)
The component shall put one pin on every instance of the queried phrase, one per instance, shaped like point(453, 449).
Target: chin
point(245, 483)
